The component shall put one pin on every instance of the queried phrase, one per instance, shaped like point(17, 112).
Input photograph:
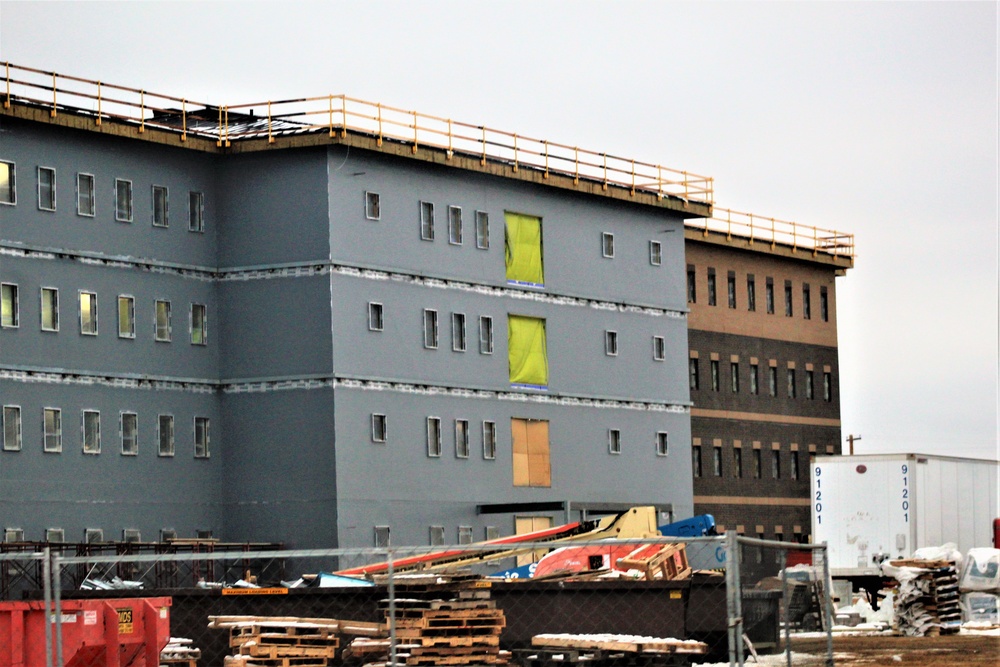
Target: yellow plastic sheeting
point(523, 248)
point(529, 362)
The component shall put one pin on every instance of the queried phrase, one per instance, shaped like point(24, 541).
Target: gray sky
point(876, 118)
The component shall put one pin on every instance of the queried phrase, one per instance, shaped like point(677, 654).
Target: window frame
point(433, 433)
point(712, 295)
point(455, 225)
point(131, 535)
point(15, 411)
point(51, 304)
point(92, 329)
point(128, 331)
point(461, 438)
point(828, 386)
point(824, 304)
point(611, 342)
point(738, 462)
point(202, 328)
point(489, 440)
point(655, 253)
point(731, 289)
point(789, 306)
point(123, 195)
point(694, 374)
point(379, 427)
point(758, 471)
point(751, 293)
point(769, 295)
point(8, 196)
point(56, 435)
point(717, 461)
point(93, 535)
point(734, 376)
point(52, 533)
point(662, 443)
point(806, 302)
point(696, 469)
point(716, 380)
point(168, 328)
point(482, 230)
point(202, 437)
point(90, 432)
point(614, 441)
point(426, 220)
point(692, 284)
point(12, 534)
point(772, 381)
point(160, 197)
point(169, 433)
point(659, 348)
point(754, 379)
point(51, 185)
point(376, 316)
point(793, 465)
point(435, 536)
point(465, 534)
point(810, 385)
point(373, 205)
point(430, 329)
point(607, 245)
point(459, 341)
point(791, 383)
point(775, 464)
point(485, 334)
point(196, 211)
point(9, 293)
point(91, 190)
point(129, 447)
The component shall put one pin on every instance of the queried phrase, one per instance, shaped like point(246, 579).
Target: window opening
point(717, 461)
point(691, 288)
point(523, 249)
point(751, 293)
point(163, 321)
point(731, 289)
point(614, 441)
point(693, 379)
point(788, 298)
point(126, 317)
point(159, 206)
point(199, 324)
point(12, 428)
point(711, 287)
point(754, 388)
point(123, 200)
point(608, 244)
point(462, 438)
point(91, 432)
point(378, 427)
point(530, 444)
point(806, 303)
point(8, 189)
point(482, 230)
point(809, 385)
point(46, 189)
point(455, 225)
point(527, 351)
point(715, 375)
point(772, 381)
point(373, 209)
point(662, 444)
point(655, 253)
point(50, 309)
point(165, 434)
point(436, 536)
point(458, 332)
point(374, 316)
point(9, 309)
point(791, 382)
point(52, 430)
point(611, 343)
point(196, 212)
point(130, 433)
point(824, 304)
point(659, 348)
point(489, 440)
point(696, 460)
point(485, 335)
point(85, 200)
point(776, 464)
point(88, 313)
point(769, 295)
point(433, 436)
point(827, 387)
point(201, 437)
point(734, 377)
point(465, 534)
point(427, 221)
point(756, 464)
point(430, 329)
point(737, 462)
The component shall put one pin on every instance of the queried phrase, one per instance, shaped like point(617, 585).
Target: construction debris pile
point(179, 652)
point(272, 641)
point(927, 601)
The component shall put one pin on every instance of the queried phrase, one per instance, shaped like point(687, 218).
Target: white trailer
point(871, 507)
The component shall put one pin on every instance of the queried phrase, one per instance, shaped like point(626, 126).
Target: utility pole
point(851, 439)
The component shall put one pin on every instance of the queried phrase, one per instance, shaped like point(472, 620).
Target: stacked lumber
point(275, 641)
point(658, 561)
point(927, 604)
point(605, 650)
point(437, 621)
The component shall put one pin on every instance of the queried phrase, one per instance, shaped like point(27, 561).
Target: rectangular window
point(88, 313)
point(123, 200)
point(788, 298)
point(693, 379)
point(527, 351)
point(717, 461)
point(374, 316)
point(754, 379)
point(734, 377)
point(692, 290)
point(130, 433)
point(85, 200)
point(523, 249)
point(11, 428)
point(485, 335)
point(433, 436)
point(430, 329)
point(659, 348)
point(751, 293)
point(427, 221)
point(776, 464)
point(9, 310)
point(159, 206)
point(756, 464)
point(715, 375)
point(806, 303)
point(436, 536)
point(492, 533)
point(465, 534)
point(163, 321)
point(196, 212)
point(93, 535)
point(530, 444)
point(611, 343)
point(737, 462)
point(696, 460)
point(461, 438)
point(731, 289)
point(50, 309)
point(662, 443)
point(13, 535)
point(482, 230)
point(8, 189)
point(791, 382)
point(809, 385)
point(55, 535)
point(607, 244)
point(489, 440)
point(769, 295)
point(165, 434)
point(378, 427)
point(794, 465)
point(458, 332)
point(201, 437)
point(655, 253)
point(455, 225)
point(199, 324)
point(827, 387)
point(126, 317)
point(91, 428)
point(373, 209)
point(711, 287)
point(614, 441)
point(46, 188)
point(52, 430)
point(824, 305)
point(772, 381)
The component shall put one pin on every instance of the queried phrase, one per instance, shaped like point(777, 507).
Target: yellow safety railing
point(765, 230)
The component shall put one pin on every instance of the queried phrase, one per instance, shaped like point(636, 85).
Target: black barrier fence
point(623, 603)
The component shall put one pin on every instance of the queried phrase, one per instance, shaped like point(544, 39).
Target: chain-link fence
point(650, 602)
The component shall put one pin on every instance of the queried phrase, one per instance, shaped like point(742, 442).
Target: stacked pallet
point(438, 621)
point(179, 652)
point(658, 561)
point(270, 641)
point(557, 650)
point(928, 600)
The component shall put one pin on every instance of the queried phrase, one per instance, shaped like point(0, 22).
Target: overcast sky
point(876, 118)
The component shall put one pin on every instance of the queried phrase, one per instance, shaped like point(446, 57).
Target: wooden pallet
point(658, 561)
point(623, 643)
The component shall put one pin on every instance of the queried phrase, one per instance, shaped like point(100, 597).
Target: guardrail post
point(343, 114)
point(184, 120)
point(415, 143)
point(515, 152)
point(6, 102)
point(632, 191)
point(483, 160)
point(52, 114)
point(379, 107)
point(270, 135)
point(98, 121)
point(576, 173)
point(546, 175)
point(331, 117)
point(774, 239)
point(605, 186)
point(451, 150)
point(142, 111)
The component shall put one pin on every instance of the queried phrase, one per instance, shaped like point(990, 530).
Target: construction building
point(333, 323)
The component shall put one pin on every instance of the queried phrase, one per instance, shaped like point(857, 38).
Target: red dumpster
point(126, 632)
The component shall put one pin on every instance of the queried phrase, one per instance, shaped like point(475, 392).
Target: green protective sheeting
point(523, 247)
point(529, 360)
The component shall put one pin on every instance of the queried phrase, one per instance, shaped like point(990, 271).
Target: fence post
point(57, 603)
point(786, 599)
point(733, 602)
point(47, 597)
point(828, 605)
point(392, 608)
